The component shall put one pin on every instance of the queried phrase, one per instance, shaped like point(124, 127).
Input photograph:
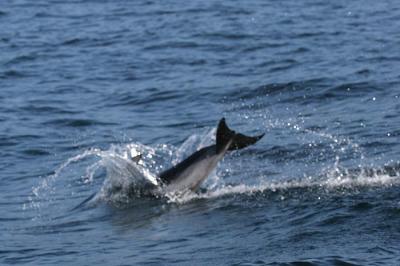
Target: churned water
point(86, 85)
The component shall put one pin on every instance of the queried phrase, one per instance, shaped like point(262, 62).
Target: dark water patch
point(18, 251)
point(338, 93)
point(384, 59)
point(225, 36)
point(311, 34)
point(301, 50)
point(186, 62)
point(314, 152)
point(381, 250)
point(263, 45)
point(364, 71)
point(228, 74)
point(67, 89)
point(73, 41)
point(361, 207)
point(13, 219)
point(389, 117)
point(77, 123)
point(392, 213)
point(320, 261)
point(336, 219)
point(172, 45)
point(302, 219)
point(308, 235)
point(146, 97)
point(40, 15)
point(17, 139)
point(294, 263)
point(89, 42)
point(66, 227)
point(282, 68)
point(182, 124)
point(12, 74)
point(45, 110)
point(279, 89)
point(34, 257)
point(377, 144)
point(341, 262)
point(315, 128)
point(232, 11)
point(287, 62)
point(35, 152)
point(26, 137)
point(316, 91)
point(22, 59)
point(354, 89)
point(5, 142)
point(195, 10)
point(3, 13)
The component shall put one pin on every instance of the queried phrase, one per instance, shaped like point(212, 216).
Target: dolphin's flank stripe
point(191, 172)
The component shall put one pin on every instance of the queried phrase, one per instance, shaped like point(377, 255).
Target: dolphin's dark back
point(172, 173)
point(226, 139)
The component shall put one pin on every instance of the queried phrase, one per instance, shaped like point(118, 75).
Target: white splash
point(125, 179)
point(333, 181)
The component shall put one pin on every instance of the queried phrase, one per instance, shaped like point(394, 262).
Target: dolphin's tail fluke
point(238, 141)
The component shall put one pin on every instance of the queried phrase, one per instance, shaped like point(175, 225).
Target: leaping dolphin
point(191, 172)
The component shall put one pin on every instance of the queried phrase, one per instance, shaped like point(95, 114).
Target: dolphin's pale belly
point(191, 172)
point(193, 176)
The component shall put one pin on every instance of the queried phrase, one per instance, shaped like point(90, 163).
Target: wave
point(332, 260)
point(12, 74)
point(69, 122)
point(112, 173)
point(113, 178)
point(311, 91)
point(338, 181)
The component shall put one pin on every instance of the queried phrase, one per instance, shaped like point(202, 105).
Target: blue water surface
point(85, 85)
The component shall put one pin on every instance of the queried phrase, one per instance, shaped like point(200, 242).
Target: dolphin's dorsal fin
point(239, 141)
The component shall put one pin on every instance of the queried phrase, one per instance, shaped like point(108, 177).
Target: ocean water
point(85, 85)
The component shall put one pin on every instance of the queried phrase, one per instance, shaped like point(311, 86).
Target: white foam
point(327, 184)
point(123, 175)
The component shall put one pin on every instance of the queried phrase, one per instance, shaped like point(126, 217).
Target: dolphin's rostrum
point(191, 172)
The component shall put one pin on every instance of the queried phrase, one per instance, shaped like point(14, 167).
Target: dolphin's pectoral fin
point(137, 158)
point(238, 140)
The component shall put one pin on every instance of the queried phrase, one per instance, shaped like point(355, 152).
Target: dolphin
point(189, 174)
